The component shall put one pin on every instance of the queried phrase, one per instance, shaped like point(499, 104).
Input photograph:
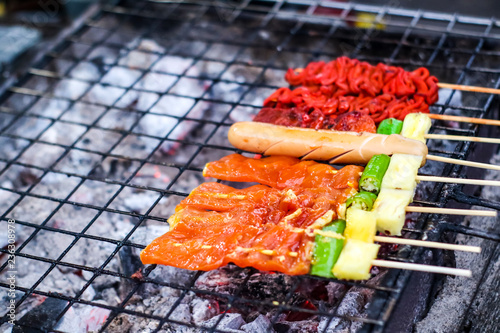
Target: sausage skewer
point(326, 145)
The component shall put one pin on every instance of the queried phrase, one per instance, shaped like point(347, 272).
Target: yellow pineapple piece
point(402, 172)
point(389, 209)
point(355, 260)
point(415, 126)
point(360, 225)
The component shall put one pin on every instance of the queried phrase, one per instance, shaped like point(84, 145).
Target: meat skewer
point(401, 170)
point(326, 145)
point(194, 242)
point(351, 95)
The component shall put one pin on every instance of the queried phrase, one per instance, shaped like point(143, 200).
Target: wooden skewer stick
point(460, 162)
point(422, 268)
point(458, 180)
point(465, 119)
point(461, 138)
point(450, 211)
point(434, 245)
point(392, 240)
point(468, 88)
point(417, 242)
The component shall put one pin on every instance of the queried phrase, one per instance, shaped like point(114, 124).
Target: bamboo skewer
point(395, 240)
point(461, 138)
point(468, 88)
point(450, 211)
point(422, 268)
point(392, 240)
point(464, 119)
point(437, 179)
point(401, 265)
point(460, 162)
point(434, 245)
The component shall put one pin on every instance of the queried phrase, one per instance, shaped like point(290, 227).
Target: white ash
point(203, 309)
point(49, 107)
point(261, 324)
point(82, 319)
point(172, 64)
point(70, 89)
point(355, 304)
point(231, 322)
point(458, 293)
point(149, 73)
point(303, 326)
point(86, 71)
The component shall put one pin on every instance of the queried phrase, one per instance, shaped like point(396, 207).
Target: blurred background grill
point(110, 125)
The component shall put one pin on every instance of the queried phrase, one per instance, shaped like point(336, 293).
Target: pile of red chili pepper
point(368, 94)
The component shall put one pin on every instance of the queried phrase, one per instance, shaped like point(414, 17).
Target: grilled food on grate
point(269, 228)
point(324, 91)
point(272, 227)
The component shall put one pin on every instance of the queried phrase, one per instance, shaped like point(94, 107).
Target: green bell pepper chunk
point(390, 126)
point(327, 250)
point(362, 200)
point(371, 179)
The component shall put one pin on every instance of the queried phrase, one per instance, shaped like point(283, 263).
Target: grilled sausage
point(321, 145)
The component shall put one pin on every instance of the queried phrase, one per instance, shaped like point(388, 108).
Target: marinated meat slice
point(268, 232)
point(199, 240)
point(220, 197)
point(269, 228)
point(283, 172)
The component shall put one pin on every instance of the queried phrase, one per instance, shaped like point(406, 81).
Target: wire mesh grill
point(105, 114)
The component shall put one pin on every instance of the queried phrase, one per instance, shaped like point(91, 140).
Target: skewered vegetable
point(327, 249)
point(371, 179)
point(360, 225)
point(362, 200)
point(389, 209)
point(355, 260)
point(402, 172)
point(415, 126)
point(390, 126)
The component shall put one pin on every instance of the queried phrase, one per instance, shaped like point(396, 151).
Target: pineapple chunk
point(355, 260)
point(389, 209)
point(360, 225)
point(415, 126)
point(402, 172)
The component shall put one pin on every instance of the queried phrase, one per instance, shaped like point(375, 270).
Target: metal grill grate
point(231, 55)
